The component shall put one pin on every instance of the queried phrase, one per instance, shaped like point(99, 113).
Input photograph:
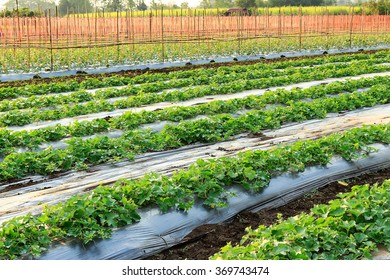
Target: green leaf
point(360, 237)
point(232, 174)
point(249, 173)
point(337, 212)
point(281, 249)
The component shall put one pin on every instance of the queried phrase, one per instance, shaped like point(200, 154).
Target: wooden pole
point(362, 20)
point(96, 24)
point(255, 33)
point(51, 43)
point(327, 28)
point(89, 32)
point(117, 36)
point(28, 46)
point(162, 35)
point(67, 36)
point(268, 30)
point(280, 23)
point(14, 36)
point(181, 29)
point(300, 28)
point(57, 25)
point(150, 26)
point(351, 28)
point(203, 27)
point(18, 21)
point(74, 30)
point(132, 30)
point(198, 14)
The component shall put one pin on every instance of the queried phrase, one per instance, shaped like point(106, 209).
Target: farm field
point(208, 240)
point(89, 160)
point(53, 43)
point(328, 231)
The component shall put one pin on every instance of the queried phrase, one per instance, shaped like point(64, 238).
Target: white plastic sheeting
point(195, 101)
point(15, 77)
point(19, 199)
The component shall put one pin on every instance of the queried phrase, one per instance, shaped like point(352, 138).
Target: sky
point(192, 3)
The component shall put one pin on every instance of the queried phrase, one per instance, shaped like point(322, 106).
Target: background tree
point(262, 3)
point(205, 4)
point(222, 3)
point(378, 6)
point(130, 4)
point(153, 5)
point(245, 3)
point(184, 5)
point(141, 6)
point(33, 5)
point(74, 6)
point(115, 5)
point(279, 3)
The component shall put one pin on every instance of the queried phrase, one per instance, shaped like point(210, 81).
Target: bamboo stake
point(4, 39)
point(28, 47)
point(238, 33)
point(255, 33)
point(14, 36)
point(132, 30)
point(57, 25)
point(67, 36)
point(162, 35)
point(198, 21)
point(291, 21)
point(300, 28)
point(18, 21)
point(279, 23)
point(268, 30)
point(362, 21)
point(327, 28)
point(351, 28)
point(96, 24)
point(117, 36)
point(51, 43)
point(150, 26)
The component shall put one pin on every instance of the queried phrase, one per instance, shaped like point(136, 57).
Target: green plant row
point(9, 139)
point(93, 83)
point(94, 215)
point(131, 120)
point(37, 101)
point(100, 149)
point(350, 227)
point(23, 117)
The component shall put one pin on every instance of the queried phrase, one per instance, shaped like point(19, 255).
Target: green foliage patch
point(95, 214)
point(350, 227)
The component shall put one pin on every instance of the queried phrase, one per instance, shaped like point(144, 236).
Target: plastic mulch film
point(157, 231)
point(28, 195)
point(118, 68)
point(191, 102)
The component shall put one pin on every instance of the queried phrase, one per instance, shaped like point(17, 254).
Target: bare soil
point(207, 240)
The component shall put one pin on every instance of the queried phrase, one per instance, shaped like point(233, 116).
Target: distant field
point(85, 157)
point(332, 10)
point(99, 40)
